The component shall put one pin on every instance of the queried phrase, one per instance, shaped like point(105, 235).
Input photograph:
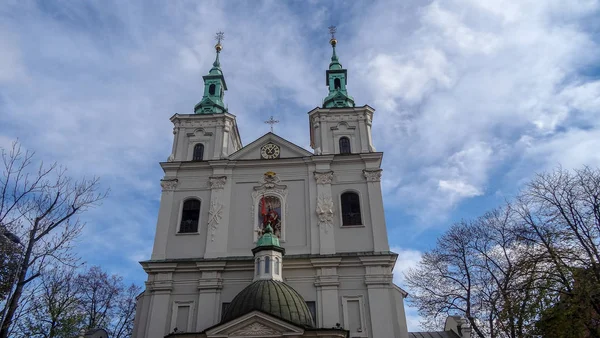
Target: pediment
point(254, 324)
point(287, 149)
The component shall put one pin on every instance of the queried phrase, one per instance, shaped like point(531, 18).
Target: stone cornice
point(211, 266)
point(200, 117)
point(378, 260)
point(368, 256)
point(346, 110)
point(326, 262)
point(158, 267)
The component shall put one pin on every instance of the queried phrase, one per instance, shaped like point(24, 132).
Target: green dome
point(272, 297)
point(268, 238)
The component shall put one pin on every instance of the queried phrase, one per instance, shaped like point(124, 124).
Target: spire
point(337, 78)
point(214, 85)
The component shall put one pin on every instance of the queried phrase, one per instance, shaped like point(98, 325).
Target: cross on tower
point(332, 30)
point(220, 36)
point(271, 121)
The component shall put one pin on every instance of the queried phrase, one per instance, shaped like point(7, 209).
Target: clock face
point(269, 151)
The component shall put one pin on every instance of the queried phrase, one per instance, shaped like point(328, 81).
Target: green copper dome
point(268, 238)
point(272, 297)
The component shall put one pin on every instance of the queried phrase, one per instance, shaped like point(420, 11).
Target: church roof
point(272, 297)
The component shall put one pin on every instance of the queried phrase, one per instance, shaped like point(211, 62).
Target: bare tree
point(528, 268)
point(122, 324)
point(40, 205)
point(445, 281)
point(560, 214)
point(99, 296)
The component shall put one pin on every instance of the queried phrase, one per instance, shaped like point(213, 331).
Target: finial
point(332, 30)
point(220, 36)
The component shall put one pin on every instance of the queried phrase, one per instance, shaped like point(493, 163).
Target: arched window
point(190, 216)
point(211, 89)
point(198, 152)
point(277, 266)
point(267, 264)
point(351, 209)
point(345, 145)
point(337, 84)
point(257, 266)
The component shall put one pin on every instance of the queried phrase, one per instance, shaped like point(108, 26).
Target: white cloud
point(460, 84)
point(407, 259)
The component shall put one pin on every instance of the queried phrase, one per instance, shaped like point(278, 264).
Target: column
point(324, 211)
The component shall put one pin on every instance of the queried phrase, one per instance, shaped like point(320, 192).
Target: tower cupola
point(336, 80)
point(268, 257)
point(214, 86)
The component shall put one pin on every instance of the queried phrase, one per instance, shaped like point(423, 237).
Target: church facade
point(269, 239)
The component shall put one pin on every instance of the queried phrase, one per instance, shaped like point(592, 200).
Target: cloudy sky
point(472, 97)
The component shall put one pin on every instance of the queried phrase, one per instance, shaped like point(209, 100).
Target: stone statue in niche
point(270, 213)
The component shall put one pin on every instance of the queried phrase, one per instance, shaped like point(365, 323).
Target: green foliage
point(10, 255)
point(66, 301)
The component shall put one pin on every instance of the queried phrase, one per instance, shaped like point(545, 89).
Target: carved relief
point(254, 330)
point(373, 175)
point(215, 213)
point(168, 184)
point(324, 177)
point(217, 182)
point(325, 211)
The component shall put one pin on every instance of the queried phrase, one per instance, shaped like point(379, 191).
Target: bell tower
point(211, 132)
point(214, 86)
point(337, 79)
point(339, 127)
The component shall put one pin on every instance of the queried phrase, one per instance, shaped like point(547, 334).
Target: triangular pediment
point(286, 148)
point(254, 324)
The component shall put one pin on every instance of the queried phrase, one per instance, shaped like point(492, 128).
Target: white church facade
point(327, 270)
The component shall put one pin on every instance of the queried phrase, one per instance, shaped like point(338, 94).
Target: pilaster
point(324, 211)
point(163, 224)
point(160, 286)
point(327, 284)
point(218, 149)
point(218, 215)
point(209, 294)
point(380, 240)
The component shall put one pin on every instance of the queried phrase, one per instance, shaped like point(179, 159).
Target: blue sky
point(472, 97)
